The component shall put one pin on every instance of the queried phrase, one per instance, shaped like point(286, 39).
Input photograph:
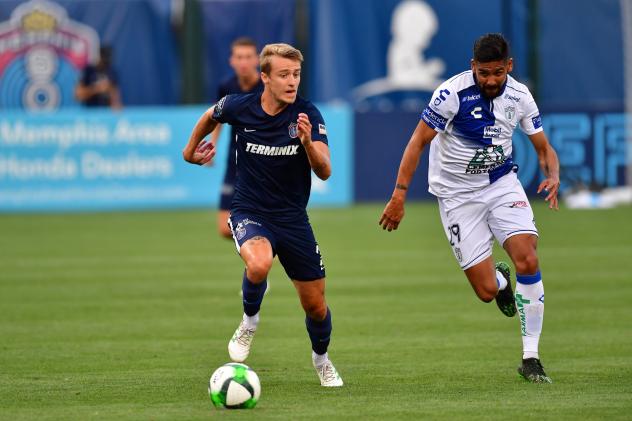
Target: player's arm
point(197, 151)
point(317, 152)
point(221, 93)
point(394, 210)
point(84, 92)
point(550, 166)
point(216, 133)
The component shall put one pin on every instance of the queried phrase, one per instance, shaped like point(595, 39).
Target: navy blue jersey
point(273, 173)
point(228, 87)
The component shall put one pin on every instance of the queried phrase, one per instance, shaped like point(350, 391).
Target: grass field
point(125, 316)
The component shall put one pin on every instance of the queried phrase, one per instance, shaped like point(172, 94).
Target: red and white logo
point(42, 52)
point(519, 204)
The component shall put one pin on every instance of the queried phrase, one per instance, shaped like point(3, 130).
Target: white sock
point(530, 303)
point(502, 282)
point(319, 360)
point(251, 322)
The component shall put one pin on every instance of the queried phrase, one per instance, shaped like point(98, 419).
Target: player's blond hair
point(281, 50)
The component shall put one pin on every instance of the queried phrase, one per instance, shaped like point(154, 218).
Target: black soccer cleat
point(531, 370)
point(505, 298)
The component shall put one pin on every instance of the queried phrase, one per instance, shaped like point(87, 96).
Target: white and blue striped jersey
point(473, 146)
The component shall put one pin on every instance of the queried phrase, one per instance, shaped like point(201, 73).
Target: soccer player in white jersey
point(471, 118)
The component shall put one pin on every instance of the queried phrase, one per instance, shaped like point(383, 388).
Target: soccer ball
point(234, 386)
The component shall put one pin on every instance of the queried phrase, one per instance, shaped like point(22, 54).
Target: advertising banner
point(101, 160)
point(591, 148)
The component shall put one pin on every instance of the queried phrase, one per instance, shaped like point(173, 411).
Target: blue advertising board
point(102, 160)
point(591, 148)
point(385, 53)
point(264, 21)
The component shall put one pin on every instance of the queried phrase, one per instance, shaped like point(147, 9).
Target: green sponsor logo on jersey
point(486, 159)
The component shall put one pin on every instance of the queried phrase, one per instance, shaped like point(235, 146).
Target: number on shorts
point(455, 232)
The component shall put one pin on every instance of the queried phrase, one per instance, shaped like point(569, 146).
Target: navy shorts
point(294, 243)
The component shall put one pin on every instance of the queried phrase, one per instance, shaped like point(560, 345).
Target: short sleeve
point(319, 130)
point(223, 110)
point(531, 122)
point(442, 107)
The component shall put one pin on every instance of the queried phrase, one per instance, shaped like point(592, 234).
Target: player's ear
point(264, 77)
point(509, 65)
point(473, 65)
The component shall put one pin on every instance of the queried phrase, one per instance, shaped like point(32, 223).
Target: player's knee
point(527, 264)
point(224, 231)
point(316, 310)
point(257, 270)
point(486, 294)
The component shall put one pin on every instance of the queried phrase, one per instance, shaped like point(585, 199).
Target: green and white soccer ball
point(234, 386)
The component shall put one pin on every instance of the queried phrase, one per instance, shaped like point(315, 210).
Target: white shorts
point(472, 220)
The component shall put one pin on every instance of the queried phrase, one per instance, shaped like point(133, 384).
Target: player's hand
point(304, 129)
point(393, 214)
point(204, 153)
point(551, 186)
point(102, 86)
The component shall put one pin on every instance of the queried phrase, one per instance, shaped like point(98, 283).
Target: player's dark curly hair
point(491, 47)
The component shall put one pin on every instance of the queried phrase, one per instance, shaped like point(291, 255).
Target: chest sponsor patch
point(486, 159)
point(272, 150)
point(492, 131)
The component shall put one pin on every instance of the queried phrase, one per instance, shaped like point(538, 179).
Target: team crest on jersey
point(293, 130)
point(510, 112)
point(240, 231)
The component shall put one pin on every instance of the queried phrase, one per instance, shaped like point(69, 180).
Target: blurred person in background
point(472, 117)
point(281, 138)
point(244, 61)
point(98, 84)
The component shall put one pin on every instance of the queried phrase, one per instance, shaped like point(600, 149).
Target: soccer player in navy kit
point(281, 139)
point(245, 63)
point(472, 117)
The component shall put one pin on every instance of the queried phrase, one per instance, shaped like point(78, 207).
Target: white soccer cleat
point(328, 375)
point(239, 344)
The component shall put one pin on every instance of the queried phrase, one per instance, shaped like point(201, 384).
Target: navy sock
point(252, 295)
point(319, 332)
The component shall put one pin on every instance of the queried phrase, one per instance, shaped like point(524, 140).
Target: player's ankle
point(319, 359)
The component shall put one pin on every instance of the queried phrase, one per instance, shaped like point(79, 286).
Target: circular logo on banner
point(42, 52)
